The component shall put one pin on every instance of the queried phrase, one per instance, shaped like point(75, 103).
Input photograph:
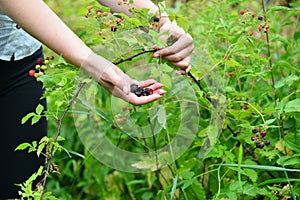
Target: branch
point(136, 55)
point(60, 121)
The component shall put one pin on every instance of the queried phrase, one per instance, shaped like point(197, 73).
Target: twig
point(269, 51)
point(135, 55)
point(60, 121)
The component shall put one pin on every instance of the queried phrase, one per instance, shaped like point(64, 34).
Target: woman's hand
point(117, 82)
point(181, 45)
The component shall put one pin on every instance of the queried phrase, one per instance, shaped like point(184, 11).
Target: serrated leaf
point(252, 174)
point(23, 146)
point(287, 81)
point(187, 175)
point(166, 81)
point(293, 106)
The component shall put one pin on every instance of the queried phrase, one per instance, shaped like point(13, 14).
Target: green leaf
point(26, 118)
point(233, 63)
point(35, 119)
point(161, 116)
point(280, 8)
point(291, 141)
point(40, 149)
point(166, 81)
point(261, 167)
point(39, 109)
point(297, 35)
point(23, 146)
point(252, 174)
point(187, 175)
point(174, 187)
point(293, 106)
point(287, 81)
point(278, 180)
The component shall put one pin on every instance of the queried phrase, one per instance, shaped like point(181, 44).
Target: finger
point(147, 83)
point(135, 100)
point(178, 56)
point(183, 42)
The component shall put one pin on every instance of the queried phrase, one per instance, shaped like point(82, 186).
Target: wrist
point(94, 65)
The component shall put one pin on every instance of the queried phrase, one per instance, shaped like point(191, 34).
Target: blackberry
point(260, 18)
point(156, 19)
point(260, 145)
point(133, 87)
point(267, 142)
point(139, 91)
point(255, 130)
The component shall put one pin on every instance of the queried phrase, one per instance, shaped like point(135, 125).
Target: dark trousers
point(19, 95)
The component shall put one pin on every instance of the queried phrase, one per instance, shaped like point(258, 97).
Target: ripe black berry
point(139, 92)
point(267, 142)
point(133, 87)
point(255, 130)
point(148, 91)
point(156, 19)
point(260, 145)
point(260, 18)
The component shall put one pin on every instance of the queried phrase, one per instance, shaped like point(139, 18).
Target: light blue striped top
point(14, 41)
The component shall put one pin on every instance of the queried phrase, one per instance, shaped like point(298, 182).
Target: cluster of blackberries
point(259, 138)
point(139, 91)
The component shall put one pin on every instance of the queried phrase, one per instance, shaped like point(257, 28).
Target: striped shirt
point(14, 41)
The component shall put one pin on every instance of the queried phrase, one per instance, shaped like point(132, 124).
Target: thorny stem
point(269, 51)
point(209, 99)
point(60, 121)
point(138, 54)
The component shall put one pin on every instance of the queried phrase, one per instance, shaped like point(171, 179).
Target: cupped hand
point(118, 83)
point(180, 49)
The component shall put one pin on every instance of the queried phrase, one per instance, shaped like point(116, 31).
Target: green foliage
point(248, 80)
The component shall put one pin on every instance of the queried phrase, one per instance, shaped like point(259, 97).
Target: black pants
point(19, 95)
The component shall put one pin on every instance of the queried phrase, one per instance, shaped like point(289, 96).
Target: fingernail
point(155, 55)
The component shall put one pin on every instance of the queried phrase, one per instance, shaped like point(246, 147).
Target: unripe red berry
point(119, 20)
point(245, 107)
point(230, 74)
point(98, 11)
point(113, 127)
point(40, 61)
point(263, 133)
point(253, 14)
point(250, 33)
point(259, 28)
point(31, 73)
point(104, 14)
point(113, 28)
point(253, 138)
point(89, 8)
point(242, 12)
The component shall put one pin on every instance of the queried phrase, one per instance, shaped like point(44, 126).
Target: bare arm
point(179, 54)
point(124, 8)
point(41, 22)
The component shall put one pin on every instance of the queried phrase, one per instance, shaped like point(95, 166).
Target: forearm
point(41, 22)
point(124, 8)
